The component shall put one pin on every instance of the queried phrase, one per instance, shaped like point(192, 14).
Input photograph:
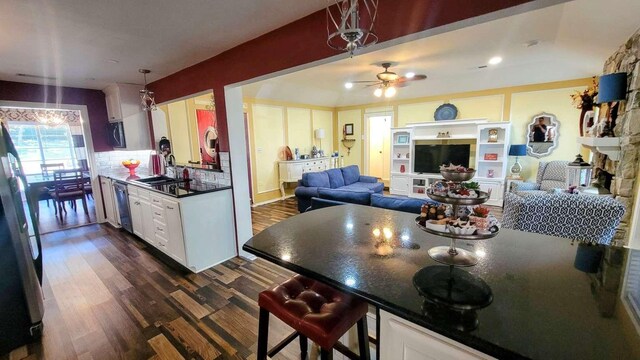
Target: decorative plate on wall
point(446, 112)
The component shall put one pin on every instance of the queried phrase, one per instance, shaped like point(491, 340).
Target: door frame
point(367, 142)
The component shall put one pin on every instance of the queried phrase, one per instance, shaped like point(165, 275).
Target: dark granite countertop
point(179, 190)
point(542, 306)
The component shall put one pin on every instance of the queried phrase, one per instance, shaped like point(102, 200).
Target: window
point(41, 144)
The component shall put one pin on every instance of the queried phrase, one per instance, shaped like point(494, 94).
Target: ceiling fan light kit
point(350, 24)
point(388, 81)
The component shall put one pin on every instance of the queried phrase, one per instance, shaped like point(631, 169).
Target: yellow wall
point(179, 131)
point(354, 157)
point(418, 112)
point(299, 129)
point(526, 105)
point(274, 125)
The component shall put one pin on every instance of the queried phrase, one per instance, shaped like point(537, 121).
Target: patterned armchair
point(551, 175)
point(578, 217)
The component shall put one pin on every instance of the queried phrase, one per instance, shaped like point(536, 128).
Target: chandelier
point(146, 97)
point(350, 24)
point(50, 118)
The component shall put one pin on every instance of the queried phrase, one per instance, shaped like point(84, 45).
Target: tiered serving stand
point(450, 255)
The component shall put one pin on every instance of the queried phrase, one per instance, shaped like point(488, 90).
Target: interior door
point(379, 157)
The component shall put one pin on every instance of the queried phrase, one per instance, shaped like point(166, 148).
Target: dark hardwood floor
point(50, 222)
point(107, 296)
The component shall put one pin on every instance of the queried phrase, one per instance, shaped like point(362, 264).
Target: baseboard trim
point(271, 201)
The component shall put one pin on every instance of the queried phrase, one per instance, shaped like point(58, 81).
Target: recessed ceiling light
point(495, 60)
point(113, 61)
point(410, 75)
point(348, 85)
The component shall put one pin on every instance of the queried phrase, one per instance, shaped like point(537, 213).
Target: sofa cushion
point(316, 179)
point(373, 187)
point(335, 178)
point(351, 174)
point(555, 170)
point(399, 203)
point(353, 196)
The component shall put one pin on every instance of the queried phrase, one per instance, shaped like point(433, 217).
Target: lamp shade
point(518, 150)
point(319, 133)
point(613, 87)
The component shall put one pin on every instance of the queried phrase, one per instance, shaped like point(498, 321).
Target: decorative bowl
point(465, 230)
point(458, 176)
point(131, 165)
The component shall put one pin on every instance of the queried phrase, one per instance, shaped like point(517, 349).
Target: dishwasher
point(122, 202)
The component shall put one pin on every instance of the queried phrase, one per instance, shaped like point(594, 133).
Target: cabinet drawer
point(158, 214)
point(155, 200)
point(160, 229)
point(143, 194)
point(132, 190)
point(161, 242)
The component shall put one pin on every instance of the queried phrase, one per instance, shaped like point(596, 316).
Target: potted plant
point(480, 216)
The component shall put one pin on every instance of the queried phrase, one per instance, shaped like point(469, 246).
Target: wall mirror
point(191, 127)
point(542, 135)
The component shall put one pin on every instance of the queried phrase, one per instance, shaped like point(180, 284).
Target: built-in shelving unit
point(490, 174)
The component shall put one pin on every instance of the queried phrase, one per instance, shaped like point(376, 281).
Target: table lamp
point(612, 88)
point(517, 150)
point(319, 133)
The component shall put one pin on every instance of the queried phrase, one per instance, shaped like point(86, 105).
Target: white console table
point(292, 170)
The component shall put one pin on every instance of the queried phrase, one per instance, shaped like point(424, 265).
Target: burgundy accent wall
point(93, 99)
point(304, 41)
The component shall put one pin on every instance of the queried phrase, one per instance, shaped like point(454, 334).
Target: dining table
point(526, 298)
point(38, 181)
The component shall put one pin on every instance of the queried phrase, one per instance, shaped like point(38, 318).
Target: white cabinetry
point(123, 104)
point(291, 171)
point(399, 181)
point(106, 189)
point(399, 185)
point(197, 231)
point(403, 340)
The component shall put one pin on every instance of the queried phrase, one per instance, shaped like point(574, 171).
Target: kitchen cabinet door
point(175, 239)
point(136, 216)
point(147, 221)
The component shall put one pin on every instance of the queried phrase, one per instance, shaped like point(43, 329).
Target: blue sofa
point(399, 203)
point(347, 184)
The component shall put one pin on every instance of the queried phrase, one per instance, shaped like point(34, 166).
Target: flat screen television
point(428, 158)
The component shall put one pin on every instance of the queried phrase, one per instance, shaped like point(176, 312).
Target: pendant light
point(350, 24)
point(147, 100)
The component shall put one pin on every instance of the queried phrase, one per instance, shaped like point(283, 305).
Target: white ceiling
point(74, 40)
point(575, 39)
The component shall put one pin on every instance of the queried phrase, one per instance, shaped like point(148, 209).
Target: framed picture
point(493, 135)
point(403, 139)
point(348, 129)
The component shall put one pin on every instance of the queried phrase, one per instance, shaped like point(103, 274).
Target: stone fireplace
point(625, 171)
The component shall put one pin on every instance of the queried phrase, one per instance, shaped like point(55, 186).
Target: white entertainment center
point(488, 154)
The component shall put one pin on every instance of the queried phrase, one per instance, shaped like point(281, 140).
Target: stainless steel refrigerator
point(21, 302)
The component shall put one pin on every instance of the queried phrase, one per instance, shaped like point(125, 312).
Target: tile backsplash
point(112, 160)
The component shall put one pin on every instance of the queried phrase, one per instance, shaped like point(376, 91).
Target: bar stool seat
point(316, 311)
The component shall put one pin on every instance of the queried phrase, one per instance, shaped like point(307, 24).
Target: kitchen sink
point(158, 180)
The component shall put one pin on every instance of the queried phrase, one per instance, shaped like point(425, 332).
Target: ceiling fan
point(388, 81)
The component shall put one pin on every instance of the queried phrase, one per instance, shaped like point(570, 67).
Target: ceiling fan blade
point(401, 84)
point(414, 78)
point(364, 81)
point(377, 83)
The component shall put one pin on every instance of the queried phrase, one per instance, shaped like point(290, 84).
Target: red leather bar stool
point(315, 311)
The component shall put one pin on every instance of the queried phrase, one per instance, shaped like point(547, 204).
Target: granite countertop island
point(541, 306)
point(178, 190)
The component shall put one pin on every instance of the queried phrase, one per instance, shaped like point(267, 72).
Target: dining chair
point(68, 186)
point(44, 193)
